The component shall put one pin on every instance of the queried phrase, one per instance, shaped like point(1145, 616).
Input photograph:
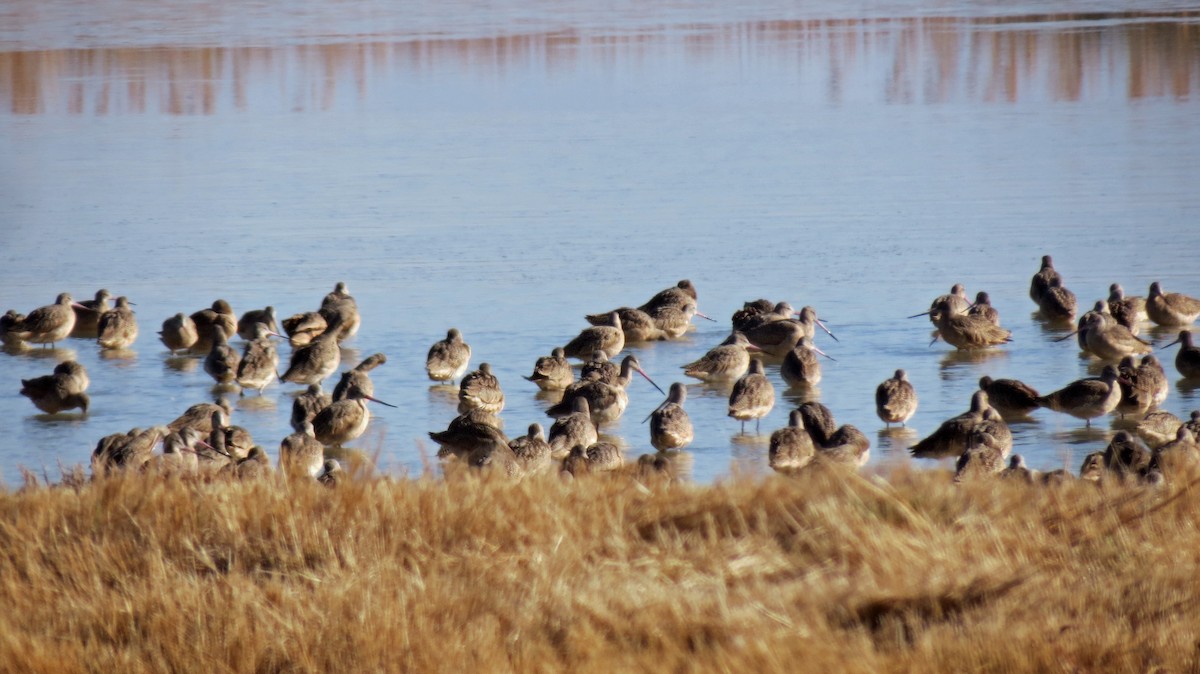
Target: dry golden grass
point(820, 572)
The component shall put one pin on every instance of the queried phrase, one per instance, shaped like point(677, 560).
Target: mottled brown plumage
point(448, 358)
point(896, 399)
point(553, 372)
point(1171, 309)
point(753, 396)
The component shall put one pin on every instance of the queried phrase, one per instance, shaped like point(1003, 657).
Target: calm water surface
point(506, 168)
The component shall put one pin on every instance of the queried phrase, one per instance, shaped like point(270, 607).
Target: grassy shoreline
point(822, 571)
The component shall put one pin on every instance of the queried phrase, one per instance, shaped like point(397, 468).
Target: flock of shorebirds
point(203, 441)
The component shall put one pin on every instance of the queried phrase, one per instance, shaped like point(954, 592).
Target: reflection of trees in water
point(1063, 57)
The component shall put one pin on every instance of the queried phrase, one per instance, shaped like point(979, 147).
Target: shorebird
point(1058, 303)
point(595, 458)
point(955, 303)
point(131, 450)
point(1179, 456)
point(671, 322)
point(753, 396)
point(1017, 470)
point(1092, 468)
point(1010, 397)
point(179, 333)
point(748, 318)
point(983, 457)
point(223, 360)
point(1109, 340)
point(748, 315)
point(63, 390)
point(333, 475)
point(807, 317)
point(1086, 398)
point(255, 466)
point(259, 364)
point(818, 422)
point(344, 420)
point(481, 390)
point(670, 425)
point(553, 372)
point(200, 416)
point(1126, 457)
point(468, 433)
point(118, 327)
point(340, 311)
point(315, 361)
point(206, 320)
point(636, 324)
point(88, 313)
point(679, 295)
point(179, 453)
point(301, 454)
point(776, 338)
point(49, 324)
point(531, 450)
point(950, 438)
point(301, 329)
point(725, 362)
point(607, 338)
point(358, 377)
point(307, 404)
point(574, 428)
point(8, 322)
point(969, 332)
point(245, 324)
point(896, 399)
point(600, 368)
point(606, 402)
point(800, 365)
point(983, 308)
point(448, 358)
point(500, 459)
point(1098, 316)
point(1128, 311)
point(791, 446)
point(1158, 428)
point(231, 441)
point(1171, 309)
point(1187, 360)
point(1041, 280)
point(847, 446)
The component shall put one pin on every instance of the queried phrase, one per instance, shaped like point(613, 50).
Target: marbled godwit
point(896, 399)
point(1041, 280)
point(49, 324)
point(595, 458)
point(303, 328)
point(983, 308)
point(1128, 311)
point(223, 360)
point(255, 466)
point(791, 446)
point(1193, 424)
point(1010, 397)
point(341, 310)
point(179, 333)
point(266, 316)
point(1180, 456)
point(180, 451)
point(847, 446)
point(315, 361)
point(1187, 360)
point(57, 392)
point(553, 372)
point(74, 376)
point(307, 404)
point(200, 416)
point(259, 364)
point(574, 428)
point(800, 365)
point(466, 434)
point(748, 318)
point(118, 327)
point(981, 458)
point(1109, 340)
point(130, 451)
point(807, 317)
point(88, 313)
point(301, 454)
point(636, 324)
point(500, 459)
point(969, 332)
point(950, 439)
point(359, 377)
point(1092, 468)
point(531, 450)
point(670, 425)
point(1171, 309)
point(332, 475)
point(1158, 428)
point(481, 390)
point(670, 321)
point(606, 402)
point(818, 422)
point(776, 338)
point(1098, 316)
point(1126, 457)
point(232, 441)
point(607, 338)
point(678, 295)
point(725, 362)
point(206, 320)
point(753, 396)
point(1058, 303)
point(995, 426)
point(1086, 398)
point(955, 303)
point(748, 315)
point(448, 358)
point(8, 323)
point(600, 368)
point(1017, 470)
point(344, 420)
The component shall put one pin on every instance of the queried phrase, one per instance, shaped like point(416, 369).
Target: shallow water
point(507, 168)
